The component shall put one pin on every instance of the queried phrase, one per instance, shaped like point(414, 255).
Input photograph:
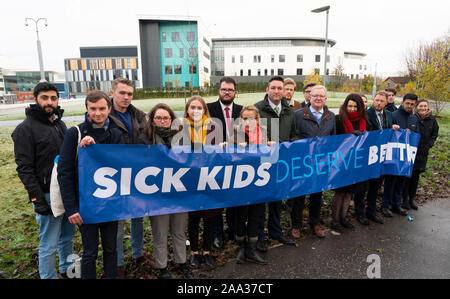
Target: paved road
point(417, 249)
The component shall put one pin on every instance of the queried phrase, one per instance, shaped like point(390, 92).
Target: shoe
point(318, 231)
point(363, 220)
point(295, 233)
point(164, 274)
point(336, 226)
point(261, 246)
point(240, 258)
point(251, 255)
point(209, 261)
point(386, 213)
point(140, 260)
point(406, 206)
point(195, 261)
point(375, 218)
point(218, 243)
point(286, 241)
point(399, 211)
point(121, 272)
point(345, 223)
point(186, 270)
point(413, 205)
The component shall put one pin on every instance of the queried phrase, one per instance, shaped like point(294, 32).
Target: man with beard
point(37, 141)
point(226, 111)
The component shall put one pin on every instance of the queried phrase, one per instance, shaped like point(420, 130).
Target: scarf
point(254, 136)
point(422, 116)
point(162, 135)
point(353, 117)
point(199, 130)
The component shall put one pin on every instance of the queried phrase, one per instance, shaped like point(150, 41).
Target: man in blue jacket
point(393, 185)
point(95, 129)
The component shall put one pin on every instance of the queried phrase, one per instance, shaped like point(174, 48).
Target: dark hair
point(309, 85)
point(196, 98)
point(95, 96)
point(343, 114)
point(391, 90)
point(276, 78)
point(44, 86)
point(410, 96)
point(228, 80)
point(151, 116)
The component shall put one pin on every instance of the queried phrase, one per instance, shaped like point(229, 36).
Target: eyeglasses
point(159, 118)
point(317, 96)
point(227, 90)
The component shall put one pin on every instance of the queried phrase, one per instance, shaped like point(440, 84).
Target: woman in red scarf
point(352, 119)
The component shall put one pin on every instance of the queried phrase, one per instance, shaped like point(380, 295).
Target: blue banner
point(129, 181)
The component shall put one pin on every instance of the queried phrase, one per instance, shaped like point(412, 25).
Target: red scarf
point(353, 117)
point(254, 137)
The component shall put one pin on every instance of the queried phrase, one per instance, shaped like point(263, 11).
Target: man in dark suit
point(307, 93)
point(226, 112)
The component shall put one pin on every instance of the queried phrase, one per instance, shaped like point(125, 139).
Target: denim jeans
point(89, 237)
point(55, 234)
point(137, 239)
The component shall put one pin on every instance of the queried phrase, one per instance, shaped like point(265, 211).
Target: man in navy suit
point(225, 110)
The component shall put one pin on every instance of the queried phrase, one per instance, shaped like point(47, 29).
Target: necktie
point(317, 115)
point(277, 110)
point(227, 112)
point(380, 118)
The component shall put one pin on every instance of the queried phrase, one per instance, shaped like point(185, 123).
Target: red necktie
point(227, 110)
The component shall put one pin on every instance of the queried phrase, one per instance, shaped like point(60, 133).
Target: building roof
point(399, 80)
point(331, 42)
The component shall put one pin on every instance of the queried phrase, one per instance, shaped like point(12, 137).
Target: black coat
point(429, 130)
point(387, 117)
point(36, 144)
point(68, 162)
point(405, 120)
point(215, 111)
point(139, 122)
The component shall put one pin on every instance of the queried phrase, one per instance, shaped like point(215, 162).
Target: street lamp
point(319, 10)
point(41, 62)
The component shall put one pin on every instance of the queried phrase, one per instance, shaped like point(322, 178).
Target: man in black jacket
point(225, 111)
point(37, 141)
point(131, 122)
point(95, 129)
point(391, 92)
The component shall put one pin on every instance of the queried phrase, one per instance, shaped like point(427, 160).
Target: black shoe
point(261, 246)
point(140, 260)
point(251, 255)
point(375, 218)
point(164, 274)
point(345, 223)
point(336, 226)
point(406, 206)
point(363, 220)
point(386, 213)
point(195, 261)
point(399, 211)
point(286, 241)
point(413, 205)
point(208, 261)
point(218, 243)
point(240, 258)
point(186, 270)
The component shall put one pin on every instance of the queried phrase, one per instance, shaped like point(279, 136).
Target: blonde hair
point(251, 108)
point(290, 81)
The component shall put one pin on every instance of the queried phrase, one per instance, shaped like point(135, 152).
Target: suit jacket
point(387, 116)
point(215, 111)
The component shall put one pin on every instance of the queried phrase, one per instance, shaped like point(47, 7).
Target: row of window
point(280, 72)
point(281, 58)
point(178, 69)
point(168, 53)
point(175, 36)
point(101, 64)
point(100, 75)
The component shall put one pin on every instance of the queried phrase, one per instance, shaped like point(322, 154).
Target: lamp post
point(319, 10)
point(41, 62)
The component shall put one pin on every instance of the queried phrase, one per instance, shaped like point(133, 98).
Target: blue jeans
point(137, 239)
point(55, 234)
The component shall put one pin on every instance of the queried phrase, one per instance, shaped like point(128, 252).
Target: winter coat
point(287, 127)
point(405, 120)
point(139, 122)
point(308, 126)
point(373, 118)
point(391, 107)
point(37, 142)
point(68, 162)
point(429, 130)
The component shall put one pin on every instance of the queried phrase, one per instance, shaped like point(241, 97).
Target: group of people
point(113, 119)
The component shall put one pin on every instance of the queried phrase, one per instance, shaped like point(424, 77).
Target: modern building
point(97, 67)
point(174, 51)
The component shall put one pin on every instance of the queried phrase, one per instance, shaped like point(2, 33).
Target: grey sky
point(383, 29)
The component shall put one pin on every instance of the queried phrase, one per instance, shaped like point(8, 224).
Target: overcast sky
point(384, 29)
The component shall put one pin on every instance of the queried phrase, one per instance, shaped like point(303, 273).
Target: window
point(351, 76)
point(233, 59)
point(175, 36)
point(181, 53)
point(257, 58)
point(206, 42)
point(168, 84)
point(178, 69)
point(360, 67)
point(317, 58)
point(206, 55)
point(299, 72)
point(280, 72)
point(192, 69)
point(167, 52)
point(168, 69)
point(299, 58)
point(249, 72)
point(163, 36)
point(242, 73)
point(272, 58)
point(282, 58)
point(190, 36)
point(328, 72)
point(272, 72)
point(259, 72)
point(365, 67)
point(357, 76)
point(187, 84)
point(265, 72)
point(242, 59)
point(193, 52)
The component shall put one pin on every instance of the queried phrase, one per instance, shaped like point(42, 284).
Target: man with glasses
point(131, 122)
point(226, 112)
point(315, 120)
point(307, 93)
point(391, 92)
